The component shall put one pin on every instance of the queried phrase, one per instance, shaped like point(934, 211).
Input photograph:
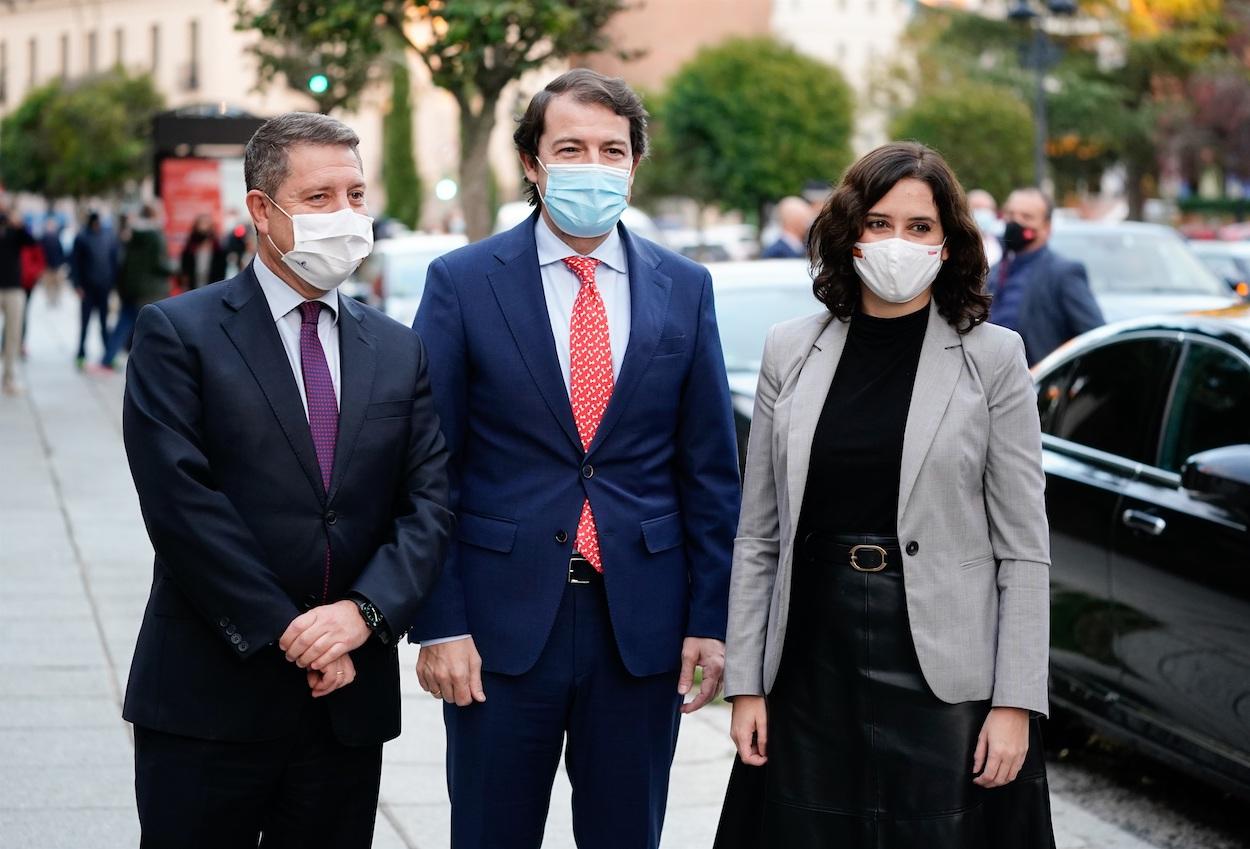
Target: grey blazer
point(971, 497)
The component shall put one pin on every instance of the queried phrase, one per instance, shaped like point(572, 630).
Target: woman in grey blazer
point(889, 608)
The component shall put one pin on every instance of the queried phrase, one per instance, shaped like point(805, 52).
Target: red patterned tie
point(590, 382)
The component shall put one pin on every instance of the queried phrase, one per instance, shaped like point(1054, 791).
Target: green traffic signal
point(318, 83)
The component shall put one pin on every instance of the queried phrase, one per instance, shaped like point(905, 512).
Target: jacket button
point(243, 646)
point(912, 548)
point(562, 537)
point(235, 638)
point(223, 622)
point(331, 517)
point(588, 471)
point(230, 629)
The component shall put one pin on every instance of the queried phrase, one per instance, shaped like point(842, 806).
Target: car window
point(405, 272)
point(1114, 400)
point(1210, 405)
point(1142, 261)
point(744, 315)
point(1052, 388)
point(1224, 266)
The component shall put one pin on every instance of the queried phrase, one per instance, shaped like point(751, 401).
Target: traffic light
point(318, 83)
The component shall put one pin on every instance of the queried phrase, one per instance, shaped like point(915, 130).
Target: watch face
point(371, 615)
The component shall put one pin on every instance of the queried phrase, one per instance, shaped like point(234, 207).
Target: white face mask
point(328, 245)
point(897, 270)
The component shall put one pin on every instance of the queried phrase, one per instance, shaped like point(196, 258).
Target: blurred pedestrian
point(203, 259)
point(33, 265)
point(794, 215)
point(93, 263)
point(288, 463)
point(1038, 293)
point(142, 279)
point(53, 281)
point(888, 611)
point(14, 237)
point(985, 212)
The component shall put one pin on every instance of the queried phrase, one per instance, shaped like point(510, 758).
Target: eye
point(922, 228)
point(319, 196)
point(358, 195)
point(877, 224)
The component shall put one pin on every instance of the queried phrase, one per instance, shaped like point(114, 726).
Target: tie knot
point(583, 267)
point(310, 311)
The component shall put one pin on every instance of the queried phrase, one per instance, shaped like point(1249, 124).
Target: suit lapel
point(941, 362)
point(649, 291)
point(810, 391)
point(357, 365)
point(251, 329)
point(518, 288)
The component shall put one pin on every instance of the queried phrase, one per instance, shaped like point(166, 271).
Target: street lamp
point(1040, 56)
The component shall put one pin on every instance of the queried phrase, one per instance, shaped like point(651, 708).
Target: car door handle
point(1139, 521)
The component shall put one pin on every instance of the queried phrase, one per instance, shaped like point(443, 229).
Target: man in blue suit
point(292, 478)
point(578, 374)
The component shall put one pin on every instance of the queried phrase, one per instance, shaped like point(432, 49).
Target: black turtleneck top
point(857, 450)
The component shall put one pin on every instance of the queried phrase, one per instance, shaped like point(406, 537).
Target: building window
point(193, 51)
point(65, 56)
point(32, 69)
point(93, 54)
point(119, 47)
point(156, 49)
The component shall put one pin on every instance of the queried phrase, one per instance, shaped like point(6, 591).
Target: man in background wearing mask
point(1039, 294)
point(293, 482)
point(578, 375)
point(985, 212)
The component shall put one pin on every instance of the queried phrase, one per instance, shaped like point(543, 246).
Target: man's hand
point(338, 674)
point(1001, 747)
point(748, 728)
point(710, 655)
point(324, 634)
point(452, 672)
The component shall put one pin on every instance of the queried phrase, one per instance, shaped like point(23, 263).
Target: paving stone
point(68, 681)
point(69, 828)
point(65, 787)
point(84, 747)
point(50, 712)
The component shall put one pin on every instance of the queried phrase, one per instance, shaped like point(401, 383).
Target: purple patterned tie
point(323, 408)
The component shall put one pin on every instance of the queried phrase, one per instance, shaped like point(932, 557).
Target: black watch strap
point(373, 618)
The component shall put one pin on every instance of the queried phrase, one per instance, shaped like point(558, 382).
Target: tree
point(83, 138)
point(983, 131)
point(399, 164)
point(750, 121)
point(473, 48)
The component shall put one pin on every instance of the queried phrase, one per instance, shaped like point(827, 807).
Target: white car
point(393, 277)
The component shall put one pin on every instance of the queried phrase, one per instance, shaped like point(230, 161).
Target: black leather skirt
point(861, 753)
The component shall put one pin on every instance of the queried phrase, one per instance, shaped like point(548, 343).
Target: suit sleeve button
point(562, 537)
point(243, 646)
point(230, 629)
point(223, 622)
point(912, 548)
point(235, 638)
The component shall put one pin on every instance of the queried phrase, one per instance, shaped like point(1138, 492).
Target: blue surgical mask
point(586, 200)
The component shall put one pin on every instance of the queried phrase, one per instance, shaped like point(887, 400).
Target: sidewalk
point(75, 568)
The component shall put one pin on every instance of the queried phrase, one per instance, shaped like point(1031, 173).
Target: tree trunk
point(1133, 177)
point(475, 132)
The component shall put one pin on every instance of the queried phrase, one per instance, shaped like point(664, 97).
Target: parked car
point(393, 277)
point(1138, 269)
point(1146, 446)
point(1230, 261)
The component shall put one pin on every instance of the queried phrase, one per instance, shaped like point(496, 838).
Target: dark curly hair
point(958, 291)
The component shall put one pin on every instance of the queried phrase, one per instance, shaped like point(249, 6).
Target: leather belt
point(581, 572)
point(862, 552)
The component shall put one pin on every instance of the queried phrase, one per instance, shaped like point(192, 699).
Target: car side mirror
point(1220, 475)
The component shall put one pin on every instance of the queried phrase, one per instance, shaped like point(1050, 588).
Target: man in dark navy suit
point(292, 478)
point(578, 374)
point(794, 216)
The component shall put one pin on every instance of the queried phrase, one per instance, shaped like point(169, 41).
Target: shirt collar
point(282, 298)
point(552, 249)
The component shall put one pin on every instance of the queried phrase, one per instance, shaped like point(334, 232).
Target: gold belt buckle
point(855, 549)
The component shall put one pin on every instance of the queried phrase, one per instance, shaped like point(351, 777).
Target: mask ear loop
point(281, 253)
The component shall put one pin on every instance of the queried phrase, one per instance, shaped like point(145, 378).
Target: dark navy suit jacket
point(227, 477)
point(1057, 304)
point(781, 249)
point(661, 473)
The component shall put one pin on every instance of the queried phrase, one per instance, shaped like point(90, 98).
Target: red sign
point(189, 188)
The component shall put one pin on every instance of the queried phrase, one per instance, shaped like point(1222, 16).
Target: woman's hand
point(1001, 747)
point(749, 729)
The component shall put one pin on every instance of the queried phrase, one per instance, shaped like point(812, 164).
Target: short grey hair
point(265, 161)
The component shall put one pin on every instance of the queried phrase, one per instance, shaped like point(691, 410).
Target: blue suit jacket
point(227, 478)
point(1057, 304)
point(661, 474)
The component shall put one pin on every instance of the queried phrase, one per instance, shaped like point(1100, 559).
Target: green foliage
point(83, 138)
point(750, 121)
point(399, 164)
point(983, 131)
point(472, 48)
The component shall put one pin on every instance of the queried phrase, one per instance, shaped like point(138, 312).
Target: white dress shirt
point(284, 303)
point(560, 288)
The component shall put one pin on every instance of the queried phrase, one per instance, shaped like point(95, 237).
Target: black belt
point(862, 552)
point(581, 572)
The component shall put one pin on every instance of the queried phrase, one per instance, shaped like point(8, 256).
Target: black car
point(1146, 444)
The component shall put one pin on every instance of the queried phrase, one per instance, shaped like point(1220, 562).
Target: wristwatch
point(373, 618)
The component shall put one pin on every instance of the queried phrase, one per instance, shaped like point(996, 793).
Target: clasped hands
point(319, 641)
point(452, 671)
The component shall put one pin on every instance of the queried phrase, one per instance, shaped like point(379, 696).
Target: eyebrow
point(924, 218)
point(582, 143)
point(331, 189)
